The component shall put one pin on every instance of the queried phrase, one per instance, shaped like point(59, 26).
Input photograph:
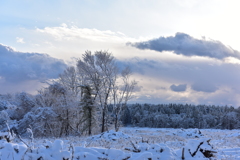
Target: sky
point(180, 51)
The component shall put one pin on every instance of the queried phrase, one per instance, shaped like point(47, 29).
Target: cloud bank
point(184, 44)
point(17, 67)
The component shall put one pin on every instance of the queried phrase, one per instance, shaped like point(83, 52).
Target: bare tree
point(101, 74)
point(121, 94)
point(72, 80)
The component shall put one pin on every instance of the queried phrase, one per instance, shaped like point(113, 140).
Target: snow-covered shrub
point(151, 151)
point(108, 139)
point(3, 117)
point(44, 122)
point(49, 151)
point(191, 133)
point(109, 136)
point(25, 103)
point(7, 136)
point(10, 151)
point(197, 149)
point(8, 107)
point(6, 121)
point(3, 104)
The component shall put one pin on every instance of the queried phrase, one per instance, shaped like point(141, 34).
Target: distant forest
point(182, 116)
point(21, 111)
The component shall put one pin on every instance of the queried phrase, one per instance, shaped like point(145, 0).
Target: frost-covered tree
point(121, 94)
point(71, 80)
point(230, 121)
point(56, 113)
point(25, 102)
point(101, 73)
point(43, 121)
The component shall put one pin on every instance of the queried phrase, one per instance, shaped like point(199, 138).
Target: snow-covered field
point(130, 144)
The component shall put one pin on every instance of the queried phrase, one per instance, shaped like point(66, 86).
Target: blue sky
point(180, 51)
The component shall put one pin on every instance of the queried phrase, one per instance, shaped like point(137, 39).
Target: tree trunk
point(103, 121)
point(116, 124)
point(90, 122)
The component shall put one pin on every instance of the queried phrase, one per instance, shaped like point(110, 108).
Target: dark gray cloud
point(178, 88)
point(141, 65)
point(17, 67)
point(204, 87)
point(184, 44)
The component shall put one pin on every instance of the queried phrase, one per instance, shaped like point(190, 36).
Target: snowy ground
point(131, 144)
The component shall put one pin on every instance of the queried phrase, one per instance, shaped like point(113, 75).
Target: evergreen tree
point(89, 109)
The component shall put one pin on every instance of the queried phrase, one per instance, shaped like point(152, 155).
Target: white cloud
point(19, 40)
point(73, 33)
point(67, 41)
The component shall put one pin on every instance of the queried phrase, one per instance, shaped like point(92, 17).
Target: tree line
point(182, 116)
